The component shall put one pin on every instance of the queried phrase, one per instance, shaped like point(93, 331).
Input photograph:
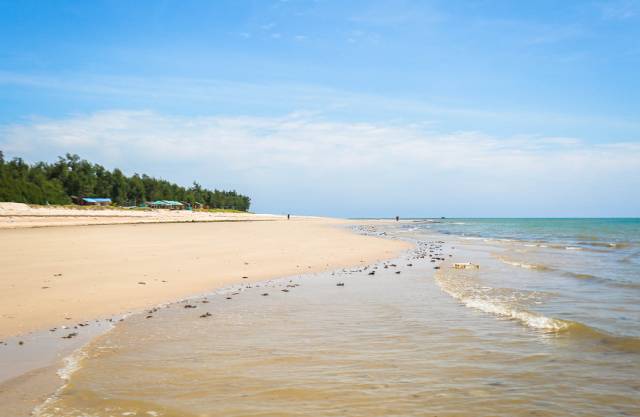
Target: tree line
point(56, 183)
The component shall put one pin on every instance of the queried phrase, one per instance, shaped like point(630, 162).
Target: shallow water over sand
point(386, 344)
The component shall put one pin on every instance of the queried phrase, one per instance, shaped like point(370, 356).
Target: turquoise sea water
point(584, 271)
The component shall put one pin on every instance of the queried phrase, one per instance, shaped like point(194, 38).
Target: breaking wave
point(512, 305)
point(504, 310)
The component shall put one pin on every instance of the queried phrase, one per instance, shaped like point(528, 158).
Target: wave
point(602, 280)
point(502, 302)
point(598, 339)
point(613, 245)
point(602, 340)
point(533, 320)
point(537, 267)
point(577, 275)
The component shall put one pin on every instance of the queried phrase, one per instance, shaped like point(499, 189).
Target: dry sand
point(56, 275)
point(19, 215)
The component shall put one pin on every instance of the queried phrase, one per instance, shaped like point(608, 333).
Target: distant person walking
point(288, 216)
point(397, 218)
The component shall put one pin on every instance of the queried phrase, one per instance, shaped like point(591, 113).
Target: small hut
point(93, 201)
point(166, 204)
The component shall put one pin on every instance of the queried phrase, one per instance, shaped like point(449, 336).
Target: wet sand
point(66, 278)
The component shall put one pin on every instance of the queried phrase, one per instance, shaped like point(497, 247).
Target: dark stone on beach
point(245, 277)
point(205, 315)
point(228, 298)
point(372, 273)
point(204, 301)
point(436, 267)
point(397, 272)
point(148, 317)
point(265, 294)
point(284, 290)
point(70, 335)
point(340, 284)
point(409, 264)
point(142, 283)
point(189, 306)
point(21, 343)
point(44, 288)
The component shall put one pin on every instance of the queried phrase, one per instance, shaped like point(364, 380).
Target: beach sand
point(54, 276)
point(58, 275)
point(19, 215)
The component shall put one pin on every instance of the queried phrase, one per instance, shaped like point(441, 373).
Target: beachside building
point(92, 201)
point(166, 204)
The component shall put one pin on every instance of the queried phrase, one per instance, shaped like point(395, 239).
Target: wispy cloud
point(620, 9)
point(277, 156)
point(287, 97)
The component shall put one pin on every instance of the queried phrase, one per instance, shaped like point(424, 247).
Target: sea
point(483, 317)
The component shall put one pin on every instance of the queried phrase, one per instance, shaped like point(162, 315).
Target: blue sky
point(362, 108)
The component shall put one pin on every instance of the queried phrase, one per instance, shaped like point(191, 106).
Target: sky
point(342, 108)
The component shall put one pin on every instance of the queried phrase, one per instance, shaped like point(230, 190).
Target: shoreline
point(259, 251)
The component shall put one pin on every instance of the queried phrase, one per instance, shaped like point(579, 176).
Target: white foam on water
point(501, 302)
point(527, 318)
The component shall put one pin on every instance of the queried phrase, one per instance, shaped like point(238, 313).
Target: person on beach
point(288, 216)
point(397, 218)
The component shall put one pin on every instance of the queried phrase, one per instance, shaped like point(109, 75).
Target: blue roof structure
point(96, 200)
point(167, 203)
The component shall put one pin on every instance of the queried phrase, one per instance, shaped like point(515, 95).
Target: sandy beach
point(19, 215)
point(55, 276)
point(69, 274)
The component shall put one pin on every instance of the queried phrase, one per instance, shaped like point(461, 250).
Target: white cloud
point(278, 158)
